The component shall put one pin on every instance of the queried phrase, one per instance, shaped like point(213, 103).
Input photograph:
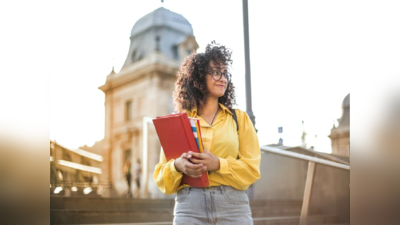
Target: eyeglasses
point(217, 75)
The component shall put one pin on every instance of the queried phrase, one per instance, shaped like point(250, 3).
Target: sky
point(306, 56)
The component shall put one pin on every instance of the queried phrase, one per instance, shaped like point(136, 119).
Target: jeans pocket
point(182, 194)
point(235, 196)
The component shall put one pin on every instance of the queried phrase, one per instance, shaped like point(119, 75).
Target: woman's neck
point(209, 108)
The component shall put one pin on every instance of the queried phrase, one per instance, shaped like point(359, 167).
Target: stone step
point(68, 210)
point(102, 217)
point(86, 217)
point(275, 203)
point(281, 220)
point(116, 204)
point(97, 204)
point(281, 211)
point(295, 220)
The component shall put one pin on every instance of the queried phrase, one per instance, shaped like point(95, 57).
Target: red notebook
point(176, 137)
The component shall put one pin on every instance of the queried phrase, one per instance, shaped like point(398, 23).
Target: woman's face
point(216, 88)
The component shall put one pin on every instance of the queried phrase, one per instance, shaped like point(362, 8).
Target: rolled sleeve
point(173, 170)
point(166, 176)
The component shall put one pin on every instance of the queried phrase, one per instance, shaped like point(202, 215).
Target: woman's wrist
point(215, 164)
point(176, 165)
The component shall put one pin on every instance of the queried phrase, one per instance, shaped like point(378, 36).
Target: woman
point(231, 157)
point(128, 176)
point(138, 171)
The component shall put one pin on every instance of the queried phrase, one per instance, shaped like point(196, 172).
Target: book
point(199, 135)
point(177, 137)
point(194, 130)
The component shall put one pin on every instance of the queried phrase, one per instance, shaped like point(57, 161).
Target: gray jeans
point(212, 206)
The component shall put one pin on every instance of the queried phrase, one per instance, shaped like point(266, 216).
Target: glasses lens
point(216, 75)
point(228, 76)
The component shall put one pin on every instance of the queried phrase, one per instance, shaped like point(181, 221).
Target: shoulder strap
point(235, 118)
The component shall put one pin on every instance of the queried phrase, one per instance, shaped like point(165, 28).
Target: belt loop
point(222, 189)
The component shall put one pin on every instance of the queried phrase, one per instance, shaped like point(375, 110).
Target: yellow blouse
point(238, 153)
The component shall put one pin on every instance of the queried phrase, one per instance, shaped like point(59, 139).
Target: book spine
point(195, 132)
point(199, 138)
point(189, 133)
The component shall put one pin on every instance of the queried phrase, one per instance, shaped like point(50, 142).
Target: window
point(85, 161)
point(127, 154)
point(175, 52)
point(133, 56)
point(66, 156)
point(128, 111)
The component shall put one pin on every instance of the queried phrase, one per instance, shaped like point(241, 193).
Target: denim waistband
point(221, 189)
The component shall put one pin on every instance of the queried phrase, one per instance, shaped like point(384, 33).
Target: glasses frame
point(227, 75)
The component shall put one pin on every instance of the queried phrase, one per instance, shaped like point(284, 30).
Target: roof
point(344, 121)
point(83, 153)
point(346, 102)
point(164, 18)
point(162, 31)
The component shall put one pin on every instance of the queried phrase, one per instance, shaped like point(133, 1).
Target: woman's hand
point(182, 164)
point(207, 159)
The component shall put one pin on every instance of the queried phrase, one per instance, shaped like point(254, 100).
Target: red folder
point(176, 137)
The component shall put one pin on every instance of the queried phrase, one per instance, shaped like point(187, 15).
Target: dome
point(344, 121)
point(162, 17)
point(162, 31)
point(346, 102)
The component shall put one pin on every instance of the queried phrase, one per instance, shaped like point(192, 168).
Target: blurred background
point(112, 67)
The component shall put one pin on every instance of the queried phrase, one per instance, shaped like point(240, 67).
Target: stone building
point(143, 88)
point(340, 136)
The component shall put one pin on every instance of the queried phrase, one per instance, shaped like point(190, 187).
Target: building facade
point(143, 88)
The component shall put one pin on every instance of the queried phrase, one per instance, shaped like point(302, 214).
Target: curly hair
point(191, 89)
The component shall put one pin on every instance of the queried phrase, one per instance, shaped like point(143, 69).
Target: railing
point(70, 184)
point(310, 174)
point(85, 187)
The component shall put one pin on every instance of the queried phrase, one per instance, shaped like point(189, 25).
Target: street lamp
point(249, 110)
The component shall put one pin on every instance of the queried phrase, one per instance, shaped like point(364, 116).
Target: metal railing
point(79, 184)
point(310, 174)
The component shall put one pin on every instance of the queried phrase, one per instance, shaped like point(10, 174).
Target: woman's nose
point(223, 78)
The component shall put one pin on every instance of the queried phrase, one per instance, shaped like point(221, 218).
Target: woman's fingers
point(194, 169)
point(196, 174)
point(186, 155)
point(196, 161)
point(192, 166)
point(196, 154)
